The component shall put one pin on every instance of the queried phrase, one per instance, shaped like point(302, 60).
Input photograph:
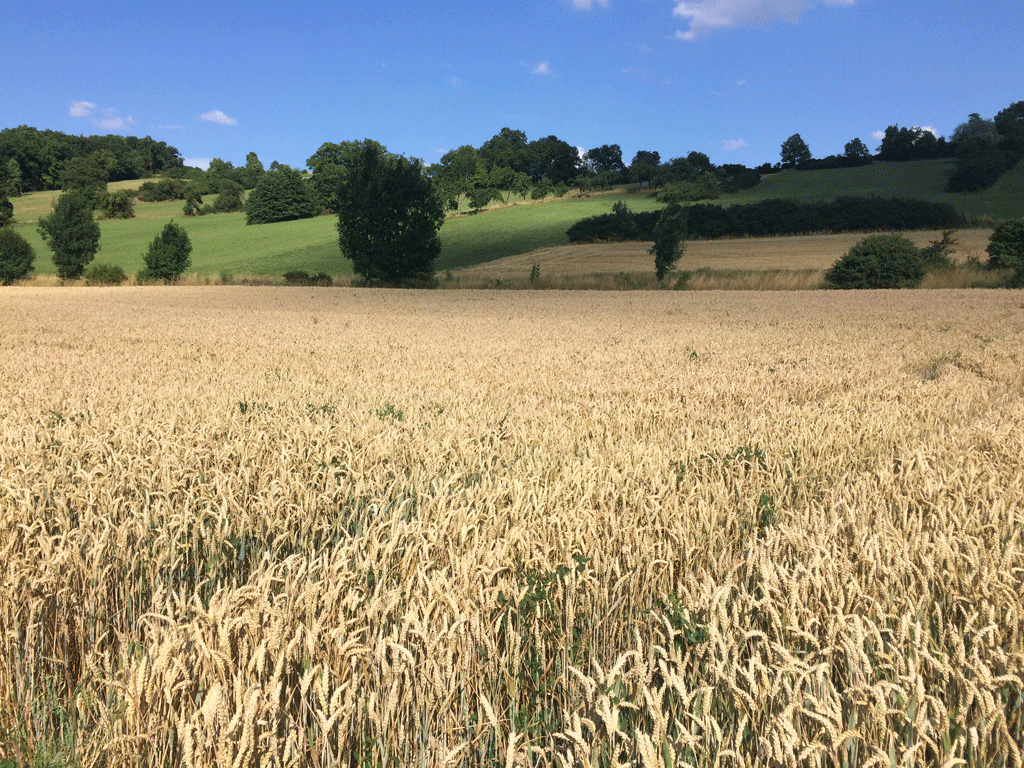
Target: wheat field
point(337, 527)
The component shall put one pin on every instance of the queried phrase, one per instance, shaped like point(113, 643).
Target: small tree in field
point(72, 234)
point(879, 261)
point(16, 256)
point(795, 151)
point(168, 254)
point(1006, 250)
point(668, 240)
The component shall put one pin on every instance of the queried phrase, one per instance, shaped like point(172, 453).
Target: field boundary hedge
point(774, 218)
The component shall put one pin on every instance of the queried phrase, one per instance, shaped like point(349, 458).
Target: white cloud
point(81, 108)
point(107, 119)
point(544, 68)
point(927, 128)
point(707, 16)
point(197, 162)
point(216, 116)
point(730, 144)
point(878, 135)
point(586, 5)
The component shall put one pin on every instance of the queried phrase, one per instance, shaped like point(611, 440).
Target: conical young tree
point(168, 254)
point(72, 234)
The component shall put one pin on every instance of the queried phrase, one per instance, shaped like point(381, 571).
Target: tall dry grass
point(248, 526)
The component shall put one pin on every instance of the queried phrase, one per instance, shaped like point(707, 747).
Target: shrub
point(104, 274)
point(16, 256)
point(164, 189)
point(1006, 249)
point(193, 202)
point(168, 254)
point(936, 255)
point(229, 198)
point(879, 261)
point(118, 205)
point(301, 277)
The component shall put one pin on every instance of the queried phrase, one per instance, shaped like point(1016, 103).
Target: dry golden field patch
point(315, 527)
point(778, 263)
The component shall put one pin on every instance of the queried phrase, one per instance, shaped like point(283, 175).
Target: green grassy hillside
point(223, 243)
point(923, 180)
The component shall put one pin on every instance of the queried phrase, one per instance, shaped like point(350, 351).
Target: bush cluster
point(301, 277)
point(104, 274)
point(1006, 250)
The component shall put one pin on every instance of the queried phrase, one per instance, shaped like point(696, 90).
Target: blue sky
point(730, 78)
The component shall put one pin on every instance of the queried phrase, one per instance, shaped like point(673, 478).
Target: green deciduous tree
point(280, 195)
point(388, 218)
point(1006, 249)
point(669, 234)
point(879, 261)
point(644, 166)
point(72, 234)
point(856, 151)
point(16, 256)
point(506, 149)
point(795, 151)
point(168, 255)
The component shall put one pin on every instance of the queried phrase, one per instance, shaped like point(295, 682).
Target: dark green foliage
point(301, 277)
point(541, 189)
point(229, 198)
point(775, 217)
point(619, 225)
point(279, 195)
point(42, 156)
point(900, 144)
point(104, 274)
point(481, 197)
point(168, 255)
point(1006, 250)
point(117, 205)
point(704, 188)
point(6, 211)
point(87, 174)
point(937, 255)
point(644, 166)
point(737, 177)
point(794, 151)
point(193, 201)
point(162, 189)
point(388, 219)
point(878, 261)
point(979, 164)
point(72, 234)
point(668, 240)
point(16, 256)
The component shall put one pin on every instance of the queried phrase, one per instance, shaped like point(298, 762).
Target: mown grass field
point(223, 244)
point(315, 527)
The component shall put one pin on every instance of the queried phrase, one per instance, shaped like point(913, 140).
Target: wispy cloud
point(197, 162)
point(731, 144)
point(216, 116)
point(586, 5)
point(707, 16)
point(82, 108)
point(108, 119)
point(878, 135)
point(544, 68)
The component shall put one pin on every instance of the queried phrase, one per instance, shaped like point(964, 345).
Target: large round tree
point(72, 234)
point(280, 195)
point(388, 218)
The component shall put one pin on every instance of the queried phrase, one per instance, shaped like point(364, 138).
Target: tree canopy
point(168, 256)
point(795, 151)
point(280, 195)
point(72, 234)
point(388, 218)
